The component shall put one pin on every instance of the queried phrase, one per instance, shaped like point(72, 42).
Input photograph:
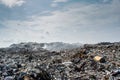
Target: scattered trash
point(92, 62)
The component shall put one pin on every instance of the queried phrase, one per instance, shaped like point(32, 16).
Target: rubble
point(91, 62)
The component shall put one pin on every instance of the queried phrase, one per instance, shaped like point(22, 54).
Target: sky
point(71, 21)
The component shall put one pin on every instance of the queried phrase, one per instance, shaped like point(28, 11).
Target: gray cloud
point(12, 3)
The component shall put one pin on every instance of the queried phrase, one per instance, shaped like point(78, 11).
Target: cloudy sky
point(83, 21)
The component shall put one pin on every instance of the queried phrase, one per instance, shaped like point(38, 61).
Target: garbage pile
point(91, 62)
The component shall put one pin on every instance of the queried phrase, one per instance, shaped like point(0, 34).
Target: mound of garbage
point(91, 62)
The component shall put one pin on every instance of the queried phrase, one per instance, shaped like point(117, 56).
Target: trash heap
point(91, 62)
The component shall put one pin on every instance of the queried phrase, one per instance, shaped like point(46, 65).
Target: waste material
point(91, 62)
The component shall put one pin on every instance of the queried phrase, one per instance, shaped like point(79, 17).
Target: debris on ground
point(90, 62)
